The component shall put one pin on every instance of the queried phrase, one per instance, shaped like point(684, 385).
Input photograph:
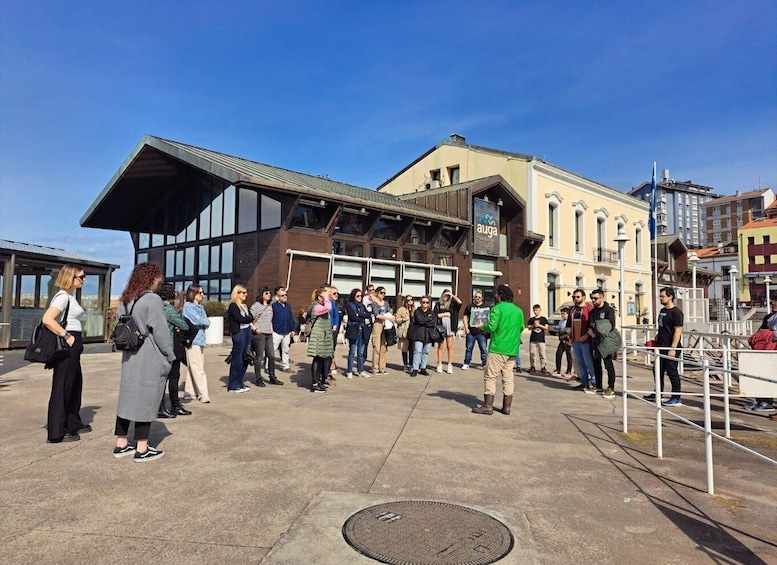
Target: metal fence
point(714, 363)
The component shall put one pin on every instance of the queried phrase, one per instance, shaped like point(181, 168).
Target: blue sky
point(356, 90)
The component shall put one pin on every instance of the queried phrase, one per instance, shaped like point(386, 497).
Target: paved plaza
point(270, 476)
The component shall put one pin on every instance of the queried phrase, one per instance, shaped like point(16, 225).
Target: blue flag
point(653, 199)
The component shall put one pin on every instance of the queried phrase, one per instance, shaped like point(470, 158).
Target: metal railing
point(602, 255)
point(707, 396)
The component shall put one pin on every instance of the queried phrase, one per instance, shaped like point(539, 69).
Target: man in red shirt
point(581, 341)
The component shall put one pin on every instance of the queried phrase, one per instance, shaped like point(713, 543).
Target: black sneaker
point(319, 388)
point(413, 373)
point(119, 452)
point(85, 429)
point(580, 387)
point(650, 397)
point(151, 454)
point(65, 439)
point(424, 372)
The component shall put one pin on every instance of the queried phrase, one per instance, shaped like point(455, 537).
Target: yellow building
point(580, 219)
point(757, 260)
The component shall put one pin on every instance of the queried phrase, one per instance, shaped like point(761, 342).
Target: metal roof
point(155, 161)
point(53, 252)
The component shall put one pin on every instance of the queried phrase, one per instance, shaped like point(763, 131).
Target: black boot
point(164, 412)
point(274, 381)
point(180, 410)
point(488, 406)
point(507, 403)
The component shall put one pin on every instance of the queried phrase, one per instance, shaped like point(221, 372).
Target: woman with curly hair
point(143, 371)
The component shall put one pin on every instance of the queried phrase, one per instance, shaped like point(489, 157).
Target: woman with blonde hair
point(402, 319)
point(63, 317)
point(447, 311)
point(239, 320)
point(143, 371)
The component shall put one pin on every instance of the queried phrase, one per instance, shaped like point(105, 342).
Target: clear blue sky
point(357, 90)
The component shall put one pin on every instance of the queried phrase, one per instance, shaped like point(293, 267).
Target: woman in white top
point(64, 421)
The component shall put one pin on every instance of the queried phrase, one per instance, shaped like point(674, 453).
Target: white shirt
point(74, 313)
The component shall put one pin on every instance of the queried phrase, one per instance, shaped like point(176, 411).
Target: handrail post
point(726, 360)
point(625, 389)
point(658, 398)
point(708, 428)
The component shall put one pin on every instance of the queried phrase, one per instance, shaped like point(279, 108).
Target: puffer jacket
point(608, 339)
point(321, 342)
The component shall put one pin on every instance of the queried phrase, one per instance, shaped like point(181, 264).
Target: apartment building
point(678, 207)
point(724, 216)
point(580, 219)
point(758, 259)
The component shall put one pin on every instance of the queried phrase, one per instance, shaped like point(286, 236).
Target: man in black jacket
point(601, 311)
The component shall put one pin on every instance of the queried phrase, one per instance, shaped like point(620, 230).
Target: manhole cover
point(419, 532)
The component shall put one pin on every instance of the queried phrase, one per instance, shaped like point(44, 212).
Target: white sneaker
point(439, 368)
point(349, 375)
point(365, 375)
point(465, 367)
point(450, 368)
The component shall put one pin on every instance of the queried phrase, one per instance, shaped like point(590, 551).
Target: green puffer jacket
point(321, 342)
point(608, 339)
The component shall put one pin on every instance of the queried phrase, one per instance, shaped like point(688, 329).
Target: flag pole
point(653, 205)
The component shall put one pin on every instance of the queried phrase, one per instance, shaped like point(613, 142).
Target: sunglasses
point(424, 302)
point(335, 293)
point(408, 299)
point(281, 296)
point(242, 292)
point(357, 295)
point(80, 277)
point(382, 293)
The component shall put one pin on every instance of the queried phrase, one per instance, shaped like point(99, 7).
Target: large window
point(310, 217)
point(380, 252)
point(247, 205)
point(419, 234)
point(353, 223)
point(388, 228)
point(413, 256)
point(271, 213)
point(347, 248)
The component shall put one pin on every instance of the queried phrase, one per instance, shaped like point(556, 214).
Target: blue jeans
point(582, 352)
point(420, 354)
point(237, 368)
point(357, 349)
point(482, 342)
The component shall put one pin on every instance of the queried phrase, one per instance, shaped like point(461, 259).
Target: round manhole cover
point(419, 532)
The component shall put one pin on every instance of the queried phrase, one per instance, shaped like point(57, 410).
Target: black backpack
point(126, 335)
point(187, 336)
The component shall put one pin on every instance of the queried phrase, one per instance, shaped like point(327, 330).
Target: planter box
point(214, 334)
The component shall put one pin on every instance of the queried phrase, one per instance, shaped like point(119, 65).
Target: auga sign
point(486, 228)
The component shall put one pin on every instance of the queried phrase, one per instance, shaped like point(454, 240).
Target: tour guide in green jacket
point(505, 325)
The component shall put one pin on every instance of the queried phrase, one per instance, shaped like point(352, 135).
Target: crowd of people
point(173, 327)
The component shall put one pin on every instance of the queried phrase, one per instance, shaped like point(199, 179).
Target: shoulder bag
point(47, 347)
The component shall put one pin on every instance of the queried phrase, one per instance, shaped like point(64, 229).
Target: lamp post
point(621, 240)
point(767, 282)
point(732, 273)
point(693, 259)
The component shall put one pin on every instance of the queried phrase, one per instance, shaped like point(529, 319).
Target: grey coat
point(144, 372)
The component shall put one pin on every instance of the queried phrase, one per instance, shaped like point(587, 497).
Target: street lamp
point(621, 241)
point(732, 273)
point(693, 259)
point(767, 282)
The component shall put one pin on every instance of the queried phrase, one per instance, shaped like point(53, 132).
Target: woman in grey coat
point(143, 372)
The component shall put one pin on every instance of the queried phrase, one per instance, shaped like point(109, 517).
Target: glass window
point(386, 276)
point(143, 240)
point(205, 222)
point(442, 279)
point(347, 275)
point(216, 209)
point(229, 210)
point(447, 239)
point(157, 240)
point(189, 265)
point(170, 240)
point(226, 257)
point(169, 263)
point(226, 286)
point(444, 260)
point(388, 228)
point(378, 252)
point(203, 264)
point(142, 258)
point(191, 231)
point(179, 262)
point(309, 217)
point(419, 235)
point(271, 213)
point(246, 221)
point(215, 259)
point(413, 256)
point(453, 174)
point(347, 248)
point(353, 224)
point(414, 282)
point(27, 294)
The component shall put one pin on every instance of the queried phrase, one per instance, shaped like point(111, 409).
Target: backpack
point(187, 336)
point(126, 335)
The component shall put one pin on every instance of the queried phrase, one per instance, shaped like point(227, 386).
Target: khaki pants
point(196, 380)
point(496, 365)
point(537, 350)
point(379, 349)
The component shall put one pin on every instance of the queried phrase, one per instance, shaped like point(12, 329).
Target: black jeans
point(65, 400)
point(262, 344)
point(560, 351)
point(320, 369)
point(669, 366)
point(598, 369)
point(173, 380)
point(141, 428)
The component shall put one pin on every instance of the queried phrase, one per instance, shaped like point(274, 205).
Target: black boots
point(275, 381)
point(164, 412)
point(488, 406)
point(507, 403)
point(178, 409)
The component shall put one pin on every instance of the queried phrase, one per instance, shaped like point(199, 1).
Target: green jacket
point(321, 341)
point(608, 339)
point(505, 325)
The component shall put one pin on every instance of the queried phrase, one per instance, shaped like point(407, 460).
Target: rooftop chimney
point(458, 139)
point(665, 175)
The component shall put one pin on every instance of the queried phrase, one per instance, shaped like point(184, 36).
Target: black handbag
point(47, 347)
point(435, 335)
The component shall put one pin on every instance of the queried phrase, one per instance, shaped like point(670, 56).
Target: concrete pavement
point(271, 475)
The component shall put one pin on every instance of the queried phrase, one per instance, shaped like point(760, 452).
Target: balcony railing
point(602, 255)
